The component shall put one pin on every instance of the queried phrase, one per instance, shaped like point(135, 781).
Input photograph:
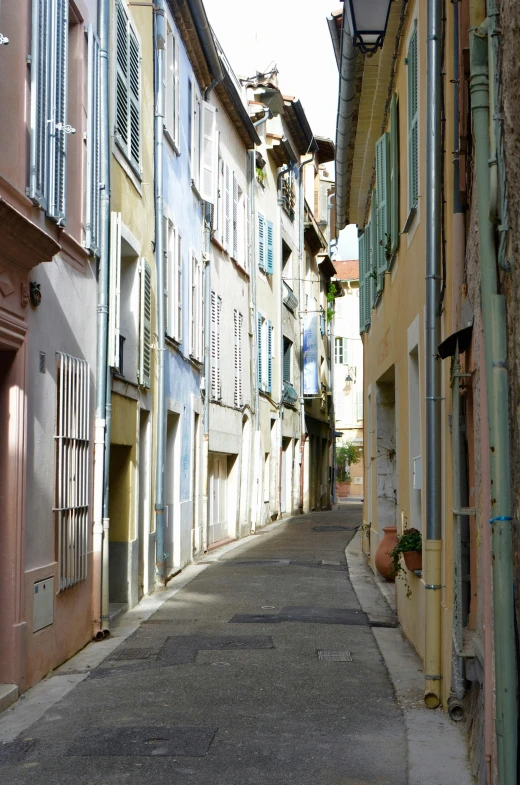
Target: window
point(172, 281)
point(49, 128)
point(413, 121)
point(128, 88)
point(171, 86)
point(72, 468)
point(359, 407)
point(289, 194)
point(383, 208)
point(265, 354)
point(265, 245)
point(207, 153)
point(195, 102)
point(238, 320)
point(340, 357)
point(287, 360)
point(197, 309)
point(216, 383)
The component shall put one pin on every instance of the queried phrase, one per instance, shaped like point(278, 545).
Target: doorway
point(144, 513)
point(218, 480)
point(172, 479)
point(386, 456)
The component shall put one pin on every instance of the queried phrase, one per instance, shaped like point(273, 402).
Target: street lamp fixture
point(368, 20)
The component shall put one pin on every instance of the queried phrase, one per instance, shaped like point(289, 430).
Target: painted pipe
point(160, 441)
point(345, 119)
point(495, 352)
point(98, 544)
point(457, 685)
point(433, 542)
point(105, 582)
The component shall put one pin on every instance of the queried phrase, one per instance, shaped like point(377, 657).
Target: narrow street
point(235, 680)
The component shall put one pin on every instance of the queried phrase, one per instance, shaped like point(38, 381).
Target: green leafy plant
point(346, 456)
point(409, 540)
point(260, 175)
point(331, 297)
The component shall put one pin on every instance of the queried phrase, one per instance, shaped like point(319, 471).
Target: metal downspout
point(160, 443)
point(332, 362)
point(105, 582)
point(433, 542)
point(346, 115)
point(102, 321)
point(495, 350)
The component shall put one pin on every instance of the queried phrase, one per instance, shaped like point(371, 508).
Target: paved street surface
point(263, 670)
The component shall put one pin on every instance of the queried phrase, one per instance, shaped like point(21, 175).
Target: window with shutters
point(340, 351)
point(49, 126)
point(394, 174)
point(172, 86)
point(289, 194)
point(128, 87)
point(238, 322)
point(72, 462)
point(197, 309)
point(413, 119)
point(265, 346)
point(287, 360)
point(194, 132)
point(207, 152)
point(382, 192)
point(216, 313)
point(145, 325)
point(261, 243)
point(93, 190)
point(172, 281)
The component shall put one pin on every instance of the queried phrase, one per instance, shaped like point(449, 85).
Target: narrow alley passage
point(263, 670)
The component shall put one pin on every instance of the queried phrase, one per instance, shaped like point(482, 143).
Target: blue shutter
point(259, 349)
point(261, 241)
point(40, 64)
point(269, 357)
point(93, 144)
point(270, 248)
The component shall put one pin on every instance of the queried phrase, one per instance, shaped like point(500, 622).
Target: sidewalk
point(257, 666)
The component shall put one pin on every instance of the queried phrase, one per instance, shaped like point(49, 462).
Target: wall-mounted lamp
point(368, 21)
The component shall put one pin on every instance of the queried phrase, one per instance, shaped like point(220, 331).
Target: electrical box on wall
point(417, 473)
point(43, 604)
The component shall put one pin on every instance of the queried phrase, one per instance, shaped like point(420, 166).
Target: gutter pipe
point(433, 541)
point(160, 445)
point(495, 352)
point(345, 118)
point(206, 37)
point(99, 544)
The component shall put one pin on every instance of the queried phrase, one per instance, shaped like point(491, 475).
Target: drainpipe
point(433, 542)
point(495, 351)
point(98, 544)
point(160, 445)
point(332, 361)
point(280, 415)
point(105, 580)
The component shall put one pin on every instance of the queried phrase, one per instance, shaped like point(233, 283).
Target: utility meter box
point(43, 604)
point(417, 473)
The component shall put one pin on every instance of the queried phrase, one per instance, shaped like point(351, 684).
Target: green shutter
point(373, 251)
point(383, 208)
point(394, 174)
point(362, 264)
point(413, 119)
point(369, 282)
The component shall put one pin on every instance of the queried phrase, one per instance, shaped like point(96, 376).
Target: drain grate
point(191, 742)
point(334, 656)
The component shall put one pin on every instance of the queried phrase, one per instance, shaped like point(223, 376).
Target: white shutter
point(128, 87)
point(145, 325)
point(166, 264)
point(135, 100)
point(93, 146)
point(169, 81)
point(227, 209)
point(219, 377)
point(59, 129)
point(214, 347)
point(193, 305)
point(121, 112)
point(235, 218)
point(238, 357)
point(176, 108)
point(114, 308)
point(207, 159)
point(194, 124)
point(178, 271)
point(201, 274)
point(40, 63)
point(248, 244)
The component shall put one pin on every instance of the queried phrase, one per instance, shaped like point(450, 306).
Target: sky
point(294, 36)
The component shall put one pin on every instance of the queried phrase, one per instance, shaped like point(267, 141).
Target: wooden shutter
point(93, 191)
point(394, 173)
point(413, 120)
point(40, 65)
point(114, 307)
point(178, 273)
point(59, 129)
point(166, 264)
point(270, 249)
point(145, 326)
point(207, 159)
point(235, 218)
point(383, 207)
point(238, 357)
point(259, 321)
point(261, 242)
point(362, 266)
point(269, 357)
point(227, 209)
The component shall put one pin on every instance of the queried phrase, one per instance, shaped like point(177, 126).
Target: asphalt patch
point(148, 741)
point(305, 614)
point(15, 751)
point(331, 529)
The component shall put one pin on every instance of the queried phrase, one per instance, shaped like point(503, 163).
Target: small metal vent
point(42, 362)
point(334, 656)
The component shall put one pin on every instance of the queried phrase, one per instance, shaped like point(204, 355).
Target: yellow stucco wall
point(123, 463)
point(386, 351)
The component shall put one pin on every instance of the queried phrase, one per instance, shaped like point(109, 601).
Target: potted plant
point(409, 543)
point(346, 455)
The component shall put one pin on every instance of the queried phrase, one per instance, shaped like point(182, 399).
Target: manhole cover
point(268, 607)
point(220, 664)
point(334, 656)
point(330, 529)
point(192, 742)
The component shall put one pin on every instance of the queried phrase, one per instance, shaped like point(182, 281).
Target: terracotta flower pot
point(413, 560)
point(383, 560)
point(342, 489)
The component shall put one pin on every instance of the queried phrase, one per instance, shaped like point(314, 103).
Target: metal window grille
point(72, 468)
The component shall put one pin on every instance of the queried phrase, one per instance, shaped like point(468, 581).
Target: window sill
point(409, 220)
point(128, 167)
point(218, 244)
point(171, 142)
point(196, 191)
